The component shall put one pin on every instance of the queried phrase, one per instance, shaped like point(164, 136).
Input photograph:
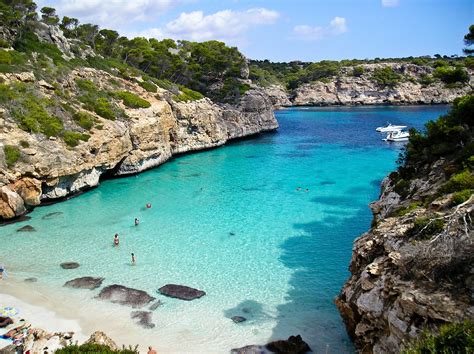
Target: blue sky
point(284, 30)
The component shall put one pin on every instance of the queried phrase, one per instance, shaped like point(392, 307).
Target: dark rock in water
point(31, 280)
point(69, 265)
point(143, 318)
point(51, 215)
point(84, 283)
point(326, 183)
point(155, 305)
point(246, 310)
point(181, 292)
point(293, 345)
point(26, 228)
point(122, 295)
point(231, 233)
point(251, 349)
point(15, 220)
point(238, 319)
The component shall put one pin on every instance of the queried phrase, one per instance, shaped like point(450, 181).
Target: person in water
point(137, 221)
point(116, 240)
point(2, 269)
point(148, 205)
point(133, 259)
point(151, 351)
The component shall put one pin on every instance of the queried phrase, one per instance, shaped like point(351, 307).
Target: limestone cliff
point(413, 270)
point(49, 169)
point(348, 89)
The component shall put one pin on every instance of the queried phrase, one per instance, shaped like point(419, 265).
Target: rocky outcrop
point(293, 345)
point(181, 292)
point(407, 278)
point(69, 265)
point(347, 89)
point(122, 295)
point(278, 95)
point(49, 170)
point(90, 283)
point(142, 318)
point(101, 338)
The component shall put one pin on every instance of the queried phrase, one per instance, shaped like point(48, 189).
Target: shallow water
point(228, 221)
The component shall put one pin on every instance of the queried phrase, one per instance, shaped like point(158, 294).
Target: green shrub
point(34, 118)
point(104, 108)
point(133, 101)
point(148, 86)
point(5, 57)
point(469, 62)
point(450, 75)
point(29, 43)
point(12, 154)
point(358, 71)
point(402, 187)
point(4, 44)
point(408, 209)
point(94, 348)
point(440, 63)
point(458, 182)
point(86, 85)
point(165, 84)
point(84, 120)
point(426, 79)
point(461, 196)
point(24, 144)
point(189, 95)
point(72, 138)
point(453, 338)
point(386, 76)
point(6, 93)
point(425, 227)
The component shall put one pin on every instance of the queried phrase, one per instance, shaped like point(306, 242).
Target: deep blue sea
point(264, 226)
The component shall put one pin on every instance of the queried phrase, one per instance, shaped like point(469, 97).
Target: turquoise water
point(230, 221)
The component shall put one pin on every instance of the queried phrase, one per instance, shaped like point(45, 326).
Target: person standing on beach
point(2, 269)
point(151, 351)
point(133, 259)
point(116, 240)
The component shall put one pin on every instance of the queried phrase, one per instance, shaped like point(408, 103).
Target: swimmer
point(148, 205)
point(116, 240)
point(133, 259)
point(306, 190)
point(137, 221)
point(151, 351)
point(298, 188)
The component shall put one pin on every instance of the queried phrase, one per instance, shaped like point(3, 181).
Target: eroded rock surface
point(122, 295)
point(181, 292)
point(142, 318)
point(101, 338)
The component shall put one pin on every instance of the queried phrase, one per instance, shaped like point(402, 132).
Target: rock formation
point(181, 292)
point(405, 277)
point(122, 295)
point(90, 283)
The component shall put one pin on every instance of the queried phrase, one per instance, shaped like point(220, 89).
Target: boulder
point(293, 345)
point(251, 349)
point(122, 295)
point(181, 292)
point(101, 338)
point(31, 280)
point(84, 283)
point(51, 215)
point(26, 228)
point(143, 318)
point(11, 204)
point(238, 319)
point(69, 265)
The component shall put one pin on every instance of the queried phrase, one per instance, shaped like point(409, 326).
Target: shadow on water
point(320, 259)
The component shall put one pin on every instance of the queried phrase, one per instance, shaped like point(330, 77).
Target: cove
point(229, 221)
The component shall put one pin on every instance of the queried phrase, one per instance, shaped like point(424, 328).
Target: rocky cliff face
point(347, 89)
point(413, 270)
point(48, 169)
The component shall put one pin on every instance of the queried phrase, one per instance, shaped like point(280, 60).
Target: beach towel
point(8, 311)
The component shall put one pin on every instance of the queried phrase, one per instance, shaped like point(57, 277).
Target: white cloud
point(111, 13)
point(390, 3)
point(221, 25)
point(336, 27)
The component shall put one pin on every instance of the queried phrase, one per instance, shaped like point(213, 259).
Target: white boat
point(390, 128)
point(397, 135)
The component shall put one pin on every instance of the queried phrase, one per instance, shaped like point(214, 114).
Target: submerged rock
point(143, 318)
point(26, 228)
point(251, 349)
point(238, 319)
point(293, 345)
point(31, 280)
point(84, 283)
point(122, 295)
point(69, 265)
point(181, 292)
point(51, 215)
point(155, 305)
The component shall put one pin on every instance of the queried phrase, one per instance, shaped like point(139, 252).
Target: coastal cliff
point(413, 270)
point(49, 168)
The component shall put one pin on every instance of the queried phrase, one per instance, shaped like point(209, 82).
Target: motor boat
point(397, 135)
point(390, 128)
